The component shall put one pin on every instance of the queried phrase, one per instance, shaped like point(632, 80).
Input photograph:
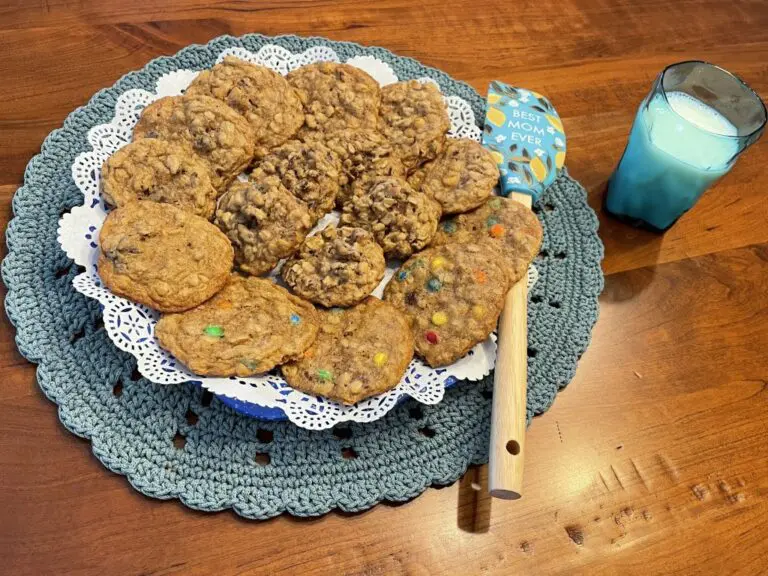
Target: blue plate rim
point(260, 412)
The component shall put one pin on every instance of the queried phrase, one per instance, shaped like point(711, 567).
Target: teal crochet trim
point(132, 423)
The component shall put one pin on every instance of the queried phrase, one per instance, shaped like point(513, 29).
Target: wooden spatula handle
point(510, 383)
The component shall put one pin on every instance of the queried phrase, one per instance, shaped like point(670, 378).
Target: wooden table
point(654, 460)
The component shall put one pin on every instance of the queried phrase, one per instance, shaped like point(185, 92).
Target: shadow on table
point(473, 513)
point(626, 249)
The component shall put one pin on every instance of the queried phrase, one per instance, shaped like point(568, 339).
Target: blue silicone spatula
point(525, 135)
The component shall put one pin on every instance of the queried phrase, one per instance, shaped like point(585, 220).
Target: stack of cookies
point(191, 237)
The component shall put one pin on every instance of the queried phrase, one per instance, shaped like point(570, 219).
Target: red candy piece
point(431, 337)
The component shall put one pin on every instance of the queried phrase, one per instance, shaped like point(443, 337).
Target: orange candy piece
point(497, 230)
point(480, 276)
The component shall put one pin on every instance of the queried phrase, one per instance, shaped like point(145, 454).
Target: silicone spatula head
point(524, 133)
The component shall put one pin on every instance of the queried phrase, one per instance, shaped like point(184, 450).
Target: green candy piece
point(250, 364)
point(214, 331)
point(495, 203)
point(324, 375)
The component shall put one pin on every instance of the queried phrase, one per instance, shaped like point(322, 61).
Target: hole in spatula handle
point(513, 447)
point(510, 490)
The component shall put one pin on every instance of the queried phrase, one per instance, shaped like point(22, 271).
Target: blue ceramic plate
point(265, 413)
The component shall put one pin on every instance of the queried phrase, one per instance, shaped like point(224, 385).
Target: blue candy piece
point(434, 285)
point(449, 226)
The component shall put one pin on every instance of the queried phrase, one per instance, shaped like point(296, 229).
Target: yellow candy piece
point(439, 318)
point(437, 263)
point(380, 358)
point(478, 311)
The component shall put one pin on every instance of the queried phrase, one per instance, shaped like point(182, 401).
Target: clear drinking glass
point(688, 132)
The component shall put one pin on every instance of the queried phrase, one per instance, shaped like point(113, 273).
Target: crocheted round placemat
point(173, 442)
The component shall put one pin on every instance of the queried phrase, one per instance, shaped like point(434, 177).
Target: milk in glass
point(677, 148)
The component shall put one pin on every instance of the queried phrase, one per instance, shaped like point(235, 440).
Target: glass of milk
point(688, 132)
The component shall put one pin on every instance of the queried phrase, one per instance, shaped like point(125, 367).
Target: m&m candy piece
point(480, 276)
point(324, 374)
point(431, 337)
point(491, 220)
point(495, 203)
point(295, 319)
point(379, 359)
point(439, 318)
point(497, 230)
point(449, 226)
point(434, 285)
point(250, 364)
point(214, 331)
point(402, 275)
point(478, 311)
point(438, 262)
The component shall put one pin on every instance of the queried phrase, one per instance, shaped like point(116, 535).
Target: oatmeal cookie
point(359, 352)
point(336, 96)
point(216, 133)
point(309, 171)
point(462, 177)
point(336, 267)
point(261, 95)
point(161, 256)
point(508, 225)
point(414, 119)
point(365, 155)
point(161, 171)
point(248, 328)
point(401, 219)
point(416, 178)
point(452, 296)
point(263, 221)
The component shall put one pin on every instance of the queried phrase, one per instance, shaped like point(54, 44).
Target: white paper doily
point(130, 326)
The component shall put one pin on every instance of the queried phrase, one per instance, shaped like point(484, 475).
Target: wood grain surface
point(654, 460)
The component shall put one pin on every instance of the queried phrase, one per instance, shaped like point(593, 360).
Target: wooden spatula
point(525, 135)
point(510, 387)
